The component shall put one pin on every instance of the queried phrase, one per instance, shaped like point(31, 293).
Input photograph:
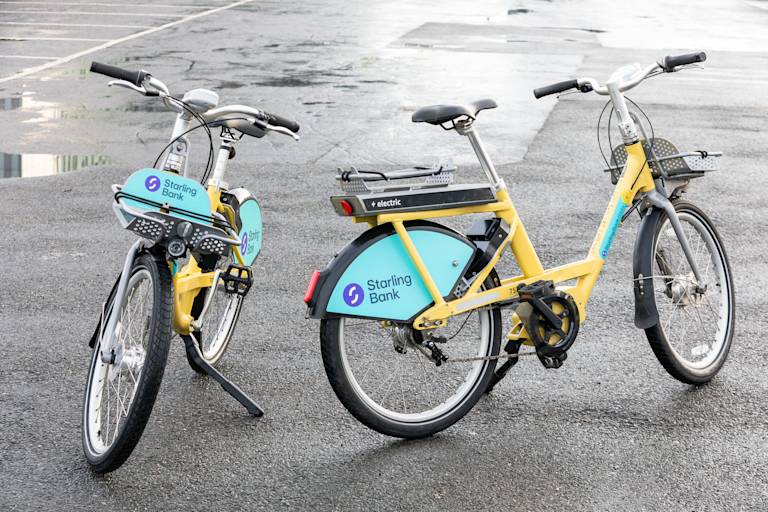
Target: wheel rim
point(695, 325)
point(220, 320)
point(113, 386)
point(409, 387)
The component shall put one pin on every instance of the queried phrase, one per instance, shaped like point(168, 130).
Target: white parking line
point(90, 13)
point(43, 24)
point(68, 58)
point(100, 4)
point(21, 38)
point(26, 57)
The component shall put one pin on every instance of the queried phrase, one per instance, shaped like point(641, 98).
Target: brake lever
point(284, 131)
point(128, 85)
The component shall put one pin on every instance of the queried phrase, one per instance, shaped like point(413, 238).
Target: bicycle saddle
point(439, 114)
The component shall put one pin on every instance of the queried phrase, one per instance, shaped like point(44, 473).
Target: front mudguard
point(646, 315)
point(373, 276)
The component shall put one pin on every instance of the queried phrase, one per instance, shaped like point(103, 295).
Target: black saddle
point(439, 114)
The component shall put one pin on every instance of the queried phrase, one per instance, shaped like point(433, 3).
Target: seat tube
point(466, 128)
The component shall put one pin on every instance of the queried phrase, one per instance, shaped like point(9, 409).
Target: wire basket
point(666, 161)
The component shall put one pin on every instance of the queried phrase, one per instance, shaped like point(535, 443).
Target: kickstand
point(193, 351)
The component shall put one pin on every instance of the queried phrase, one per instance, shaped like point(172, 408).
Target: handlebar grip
point(276, 120)
point(134, 77)
point(555, 88)
point(670, 62)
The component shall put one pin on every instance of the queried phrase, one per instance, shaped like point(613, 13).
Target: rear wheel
point(119, 396)
point(695, 328)
point(387, 376)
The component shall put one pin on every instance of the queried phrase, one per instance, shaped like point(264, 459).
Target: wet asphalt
point(610, 430)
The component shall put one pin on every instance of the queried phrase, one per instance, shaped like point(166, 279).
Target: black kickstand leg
point(193, 352)
point(512, 348)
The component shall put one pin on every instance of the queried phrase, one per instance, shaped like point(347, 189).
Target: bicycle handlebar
point(555, 88)
point(134, 77)
point(276, 120)
point(668, 64)
point(138, 81)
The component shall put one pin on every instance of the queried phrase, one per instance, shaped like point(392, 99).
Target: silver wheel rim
point(113, 386)
point(694, 325)
point(219, 322)
point(399, 387)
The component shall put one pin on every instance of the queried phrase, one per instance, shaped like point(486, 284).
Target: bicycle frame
point(190, 279)
point(636, 179)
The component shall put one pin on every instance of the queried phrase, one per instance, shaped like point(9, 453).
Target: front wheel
point(119, 396)
point(387, 375)
point(693, 335)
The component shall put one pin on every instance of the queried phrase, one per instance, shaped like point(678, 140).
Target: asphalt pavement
point(610, 430)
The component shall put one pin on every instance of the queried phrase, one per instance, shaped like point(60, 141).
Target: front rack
point(207, 234)
point(666, 161)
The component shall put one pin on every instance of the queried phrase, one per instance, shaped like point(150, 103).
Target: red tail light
point(346, 207)
point(311, 287)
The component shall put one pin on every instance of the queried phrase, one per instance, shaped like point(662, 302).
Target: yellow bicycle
point(188, 273)
point(411, 327)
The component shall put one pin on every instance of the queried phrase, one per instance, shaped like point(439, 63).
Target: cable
point(599, 146)
point(206, 124)
point(203, 124)
point(157, 160)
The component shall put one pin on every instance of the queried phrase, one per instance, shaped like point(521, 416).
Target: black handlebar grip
point(670, 62)
point(555, 88)
point(276, 120)
point(134, 77)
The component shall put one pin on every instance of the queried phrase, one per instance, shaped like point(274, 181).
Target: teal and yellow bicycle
point(188, 272)
point(411, 310)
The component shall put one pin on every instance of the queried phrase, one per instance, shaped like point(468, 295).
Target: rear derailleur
point(404, 336)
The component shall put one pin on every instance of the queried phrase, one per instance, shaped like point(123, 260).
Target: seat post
point(464, 127)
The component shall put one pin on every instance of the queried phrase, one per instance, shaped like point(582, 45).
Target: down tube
point(601, 245)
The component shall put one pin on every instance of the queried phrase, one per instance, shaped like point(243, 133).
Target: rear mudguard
point(646, 315)
point(374, 277)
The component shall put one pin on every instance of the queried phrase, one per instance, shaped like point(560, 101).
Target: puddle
point(510, 12)
point(11, 103)
point(29, 165)
point(44, 110)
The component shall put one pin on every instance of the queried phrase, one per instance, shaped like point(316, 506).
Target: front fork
point(108, 333)
point(659, 200)
point(187, 283)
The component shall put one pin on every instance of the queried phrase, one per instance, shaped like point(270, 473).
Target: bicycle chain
point(488, 358)
point(423, 350)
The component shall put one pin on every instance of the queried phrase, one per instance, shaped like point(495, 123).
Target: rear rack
point(666, 161)
point(359, 181)
point(414, 189)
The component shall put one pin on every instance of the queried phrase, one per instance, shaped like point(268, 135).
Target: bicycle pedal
point(237, 279)
point(552, 361)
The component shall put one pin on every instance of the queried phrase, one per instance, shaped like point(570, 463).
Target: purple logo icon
point(244, 244)
point(354, 295)
point(152, 183)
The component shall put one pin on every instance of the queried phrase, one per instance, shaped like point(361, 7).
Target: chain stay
point(488, 358)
